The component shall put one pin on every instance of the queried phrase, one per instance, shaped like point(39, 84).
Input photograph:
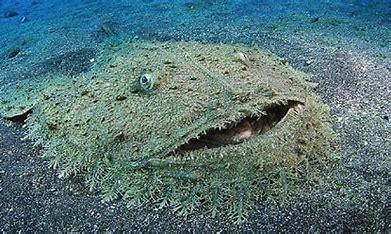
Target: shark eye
point(146, 82)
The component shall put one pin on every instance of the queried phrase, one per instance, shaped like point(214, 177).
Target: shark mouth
point(239, 131)
point(21, 118)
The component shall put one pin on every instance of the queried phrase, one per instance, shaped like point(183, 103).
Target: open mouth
point(21, 118)
point(243, 129)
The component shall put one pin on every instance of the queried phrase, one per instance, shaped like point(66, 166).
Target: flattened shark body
point(186, 125)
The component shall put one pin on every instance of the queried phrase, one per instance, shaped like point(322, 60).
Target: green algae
point(124, 140)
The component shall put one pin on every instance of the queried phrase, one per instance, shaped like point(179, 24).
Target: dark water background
point(41, 29)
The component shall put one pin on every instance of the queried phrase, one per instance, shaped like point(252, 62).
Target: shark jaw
point(243, 129)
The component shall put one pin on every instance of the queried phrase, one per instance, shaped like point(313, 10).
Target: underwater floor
point(344, 44)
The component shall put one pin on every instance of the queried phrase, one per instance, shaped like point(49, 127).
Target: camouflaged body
point(102, 125)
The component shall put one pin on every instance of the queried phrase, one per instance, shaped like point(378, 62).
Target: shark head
point(185, 125)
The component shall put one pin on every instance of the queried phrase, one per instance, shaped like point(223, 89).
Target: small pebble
point(284, 61)
point(313, 84)
point(120, 98)
point(315, 19)
point(309, 62)
point(23, 19)
point(13, 53)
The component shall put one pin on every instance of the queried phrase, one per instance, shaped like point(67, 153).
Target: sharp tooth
point(291, 111)
point(298, 108)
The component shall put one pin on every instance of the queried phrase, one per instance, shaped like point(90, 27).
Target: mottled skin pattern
point(123, 137)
